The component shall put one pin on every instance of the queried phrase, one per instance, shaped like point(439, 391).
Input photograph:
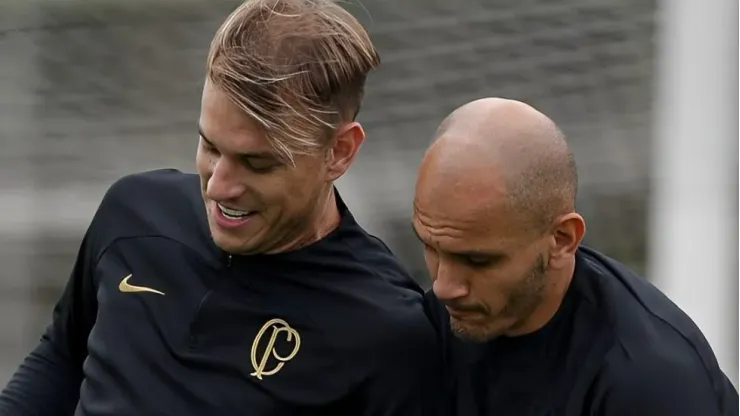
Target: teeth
point(234, 213)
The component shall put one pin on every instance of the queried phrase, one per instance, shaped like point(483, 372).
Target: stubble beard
point(521, 303)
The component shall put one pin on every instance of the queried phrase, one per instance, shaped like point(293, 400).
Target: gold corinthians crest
point(282, 337)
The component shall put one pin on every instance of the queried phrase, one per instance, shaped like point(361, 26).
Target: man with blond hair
point(248, 289)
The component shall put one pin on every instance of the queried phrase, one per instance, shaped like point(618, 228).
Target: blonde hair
point(296, 67)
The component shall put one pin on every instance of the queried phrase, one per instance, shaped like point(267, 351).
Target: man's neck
point(328, 217)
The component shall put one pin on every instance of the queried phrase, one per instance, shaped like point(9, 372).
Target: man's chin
point(473, 333)
point(233, 244)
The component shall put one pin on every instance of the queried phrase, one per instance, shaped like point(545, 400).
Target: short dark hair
point(543, 189)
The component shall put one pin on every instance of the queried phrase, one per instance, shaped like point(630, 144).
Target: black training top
point(156, 320)
point(616, 347)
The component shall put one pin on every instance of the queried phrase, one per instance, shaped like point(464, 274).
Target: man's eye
point(478, 261)
point(209, 149)
point(261, 167)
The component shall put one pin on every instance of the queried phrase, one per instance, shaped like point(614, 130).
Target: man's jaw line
point(326, 219)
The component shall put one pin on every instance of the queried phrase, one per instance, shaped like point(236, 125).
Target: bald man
point(532, 322)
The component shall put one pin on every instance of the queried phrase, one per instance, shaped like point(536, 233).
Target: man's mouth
point(463, 313)
point(232, 213)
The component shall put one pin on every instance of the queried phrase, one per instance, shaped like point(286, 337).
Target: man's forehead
point(455, 217)
point(239, 142)
point(473, 215)
point(461, 237)
point(459, 196)
point(223, 122)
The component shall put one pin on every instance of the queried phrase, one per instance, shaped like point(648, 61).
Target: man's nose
point(450, 283)
point(225, 182)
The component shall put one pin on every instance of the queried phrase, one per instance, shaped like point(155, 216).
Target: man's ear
point(344, 146)
point(567, 234)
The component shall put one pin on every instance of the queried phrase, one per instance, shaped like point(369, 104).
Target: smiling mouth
point(233, 214)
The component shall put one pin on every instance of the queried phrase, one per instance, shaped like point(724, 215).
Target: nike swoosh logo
point(125, 287)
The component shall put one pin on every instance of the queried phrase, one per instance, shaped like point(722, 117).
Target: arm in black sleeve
point(408, 372)
point(48, 381)
point(669, 385)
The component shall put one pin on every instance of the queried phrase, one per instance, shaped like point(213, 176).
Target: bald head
point(495, 153)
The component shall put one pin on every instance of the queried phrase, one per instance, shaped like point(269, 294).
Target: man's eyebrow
point(416, 233)
point(248, 155)
point(203, 135)
point(260, 155)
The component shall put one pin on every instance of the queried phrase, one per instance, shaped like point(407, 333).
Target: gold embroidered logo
point(265, 366)
point(125, 287)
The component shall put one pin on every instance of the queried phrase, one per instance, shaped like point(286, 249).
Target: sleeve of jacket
point(48, 380)
point(408, 377)
point(669, 385)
